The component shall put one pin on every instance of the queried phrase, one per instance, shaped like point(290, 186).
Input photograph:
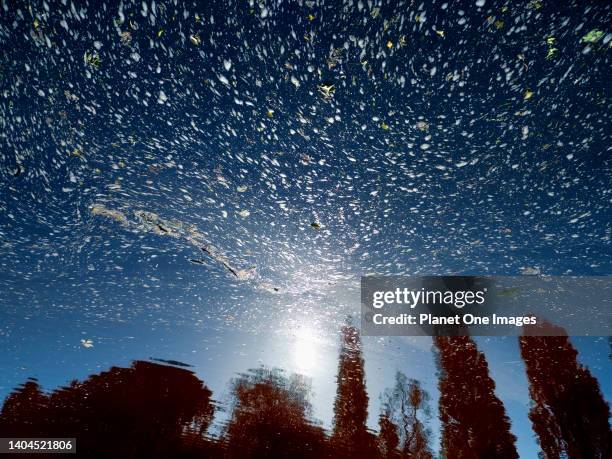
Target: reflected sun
point(306, 351)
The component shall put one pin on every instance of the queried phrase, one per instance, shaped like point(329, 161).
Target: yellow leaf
point(528, 94)
point(389, 44)
point(384, 126)
point(440, 32)
point(311, 17)
point(160, 32)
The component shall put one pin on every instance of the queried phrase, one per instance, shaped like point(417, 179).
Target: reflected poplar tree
point(569, 414)
point(473, 418)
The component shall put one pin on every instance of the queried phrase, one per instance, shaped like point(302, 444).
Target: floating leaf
point(195, 39)
point(593, 36)
point(535, 4)
point(326, 90)
point(92, 59)
point(528, 94)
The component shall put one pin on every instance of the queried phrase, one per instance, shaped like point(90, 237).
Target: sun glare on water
point(306, 351)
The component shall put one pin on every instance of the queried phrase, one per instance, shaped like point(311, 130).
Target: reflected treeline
point(151, 410)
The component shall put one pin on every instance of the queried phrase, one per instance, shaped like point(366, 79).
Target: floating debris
point(550, 41)
point(71, 97)
point(326, 90)
point(195, 39)
point(593, 36)
point(422, 126)
point(101, 210)
point(334, 58)
point(126, 37)
point(151, 222)
point(92, 59)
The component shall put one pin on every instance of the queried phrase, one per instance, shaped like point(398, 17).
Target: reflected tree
point(569, 414)
point(350, 436)
point(405, 405)
point(474, 420)
point(388, 440)
point(271, 418)
point(23, 411)
point(141, 411)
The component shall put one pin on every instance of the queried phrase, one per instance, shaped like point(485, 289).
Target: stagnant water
point(190, 193)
